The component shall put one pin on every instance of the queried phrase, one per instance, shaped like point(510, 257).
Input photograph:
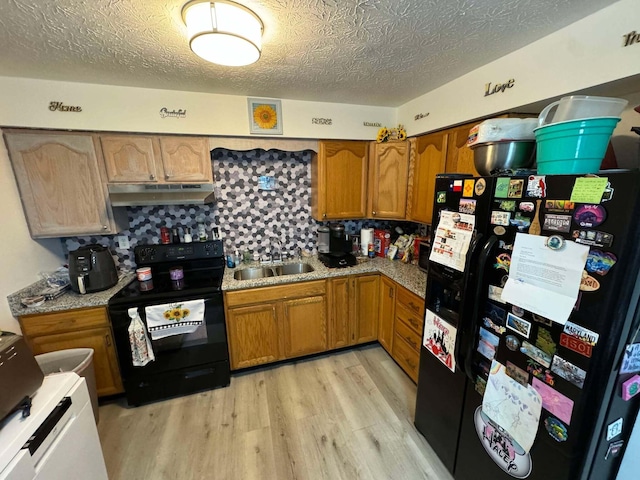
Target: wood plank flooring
point(346, 415)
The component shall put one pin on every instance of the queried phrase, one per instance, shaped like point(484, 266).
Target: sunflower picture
point(176, 313)
point(265, 116)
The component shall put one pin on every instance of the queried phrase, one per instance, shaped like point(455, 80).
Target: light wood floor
point(345, 415)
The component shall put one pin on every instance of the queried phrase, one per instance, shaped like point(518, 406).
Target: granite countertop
point(68, 301)
point(409, 276)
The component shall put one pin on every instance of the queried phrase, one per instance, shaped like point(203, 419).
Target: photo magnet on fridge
point(518, 325)
point(553, 401)
point(568, 371)
point(631, 359)
point(536, 186)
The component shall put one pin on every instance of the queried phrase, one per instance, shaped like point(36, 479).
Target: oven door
point(180, 358)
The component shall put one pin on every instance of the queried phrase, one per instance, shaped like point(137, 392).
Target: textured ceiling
point(370, 52)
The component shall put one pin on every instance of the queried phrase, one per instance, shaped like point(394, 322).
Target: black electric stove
point(184, 363)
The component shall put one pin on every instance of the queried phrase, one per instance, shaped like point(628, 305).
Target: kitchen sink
point(293, 268)
point(253, 273)
point(262, 272)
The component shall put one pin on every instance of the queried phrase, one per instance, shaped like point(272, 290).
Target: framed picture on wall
point(265, 116)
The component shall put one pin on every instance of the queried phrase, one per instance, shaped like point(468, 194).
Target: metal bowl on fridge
point(505, 157)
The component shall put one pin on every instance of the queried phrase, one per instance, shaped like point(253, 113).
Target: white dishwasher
point(59, 440)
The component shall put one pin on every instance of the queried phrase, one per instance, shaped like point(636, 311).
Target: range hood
point(165, 194)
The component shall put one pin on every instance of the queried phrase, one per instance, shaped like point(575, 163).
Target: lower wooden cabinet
point(354, 310)
point(387, 312)
point(274, 323)
point(83, 328)
point(407, 328)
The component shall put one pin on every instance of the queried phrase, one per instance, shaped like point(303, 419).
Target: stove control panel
point(149, 254)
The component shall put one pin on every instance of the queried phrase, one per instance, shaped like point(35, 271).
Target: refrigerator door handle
point(482, 263)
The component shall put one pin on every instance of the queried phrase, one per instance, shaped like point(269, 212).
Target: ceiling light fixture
point(223, 32)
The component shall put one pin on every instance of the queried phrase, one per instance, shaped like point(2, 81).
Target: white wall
point(22, 257)
point(25, 103)
point(584, 54)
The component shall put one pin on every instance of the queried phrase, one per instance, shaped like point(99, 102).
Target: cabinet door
point(60, 185)
point(105, 362)
point(304, 326)
point(388, 174)
point(387, 312)
point(365, 309)
point(339, 180)
point(428, 158)
point(130, 158)
point(186, 159)
point(339, 312)
point(459, 156)
point(253, 335)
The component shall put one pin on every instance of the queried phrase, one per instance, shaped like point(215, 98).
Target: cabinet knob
point(390, 292)
point(167, 176)
point(152, 177)
point(324, 215)
point(105, 227)
point(107, 339)
point(373, 213)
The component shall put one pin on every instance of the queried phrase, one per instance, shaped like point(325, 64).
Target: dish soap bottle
point(187, 235)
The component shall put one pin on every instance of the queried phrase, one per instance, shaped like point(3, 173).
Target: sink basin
point(252, 273)
point(293, 268)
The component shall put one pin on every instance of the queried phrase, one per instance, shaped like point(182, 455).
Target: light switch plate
point(123, 242)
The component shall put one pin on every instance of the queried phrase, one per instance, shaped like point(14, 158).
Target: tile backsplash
point(247, 217)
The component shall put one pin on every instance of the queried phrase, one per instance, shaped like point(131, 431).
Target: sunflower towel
point(174, 318)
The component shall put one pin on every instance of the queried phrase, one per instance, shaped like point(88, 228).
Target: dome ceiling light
point(223, 32)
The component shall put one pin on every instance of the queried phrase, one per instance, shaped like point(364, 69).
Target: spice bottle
point(187, 235)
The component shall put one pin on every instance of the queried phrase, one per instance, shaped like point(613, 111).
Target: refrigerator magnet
point(500, 218)
point(499, 230)
point(508, 205)
point(589, 216)
point(557, 223)
point(481, 186)
point(600, 262)
point(588, 283)
point(544, 341)
point(631, 359)
point(512, 343)
point(556, 429)
point(536, 354)
point(631, 388)
point(467, 205)
point(553, 401)
point(518, 325)
point(614, 449)
point(614, 429)
point(515, 188)
point(540, 372)
point(555, 242)
point(467, 190)
point(503, 261)
point(536, 186)
point(441, 197)
point(527, 207)
point(502, 187)
point(568, 371)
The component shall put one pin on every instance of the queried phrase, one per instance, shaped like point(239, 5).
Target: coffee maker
point(340, 247)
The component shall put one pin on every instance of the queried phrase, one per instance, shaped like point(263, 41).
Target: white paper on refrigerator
point(543, 280)
point(439, 338)
point(452, 239)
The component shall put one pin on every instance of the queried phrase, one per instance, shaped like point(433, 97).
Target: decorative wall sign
point(180, 113)
point(265, 116)
point(61, 107)
point(420, 116)
point(630, 38)
point(321, 121)
point(372, 124)
point(498, 87)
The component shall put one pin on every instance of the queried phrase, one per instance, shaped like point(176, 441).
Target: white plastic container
point(578, 107)
point(502, 129)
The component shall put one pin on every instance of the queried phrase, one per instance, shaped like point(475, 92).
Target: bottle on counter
point(187, 235)
point(176, 235)
point(165, 235)
point(202, 232)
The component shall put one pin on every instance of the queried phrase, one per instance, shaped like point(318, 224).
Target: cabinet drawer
point(409, 318)
point(60, 322)
point(406, 357)
point(411, 301)
point(408, 335)
point(279, 292)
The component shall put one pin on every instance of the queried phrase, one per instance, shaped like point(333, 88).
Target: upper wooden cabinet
point(459, 156)
point(428, 158)
point(156, 159)
point(61, 183)
point(388, 173)
point(339, 180)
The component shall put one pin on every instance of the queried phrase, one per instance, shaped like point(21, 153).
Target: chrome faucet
point(277, 250)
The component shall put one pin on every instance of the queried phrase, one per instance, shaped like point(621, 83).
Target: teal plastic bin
point(574, 147)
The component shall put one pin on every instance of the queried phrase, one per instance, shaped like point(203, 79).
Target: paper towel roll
point(366, 237)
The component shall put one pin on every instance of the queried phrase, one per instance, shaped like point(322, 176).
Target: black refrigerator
point(585, 370)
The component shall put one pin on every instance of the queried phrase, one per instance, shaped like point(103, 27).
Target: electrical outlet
point(123, 242)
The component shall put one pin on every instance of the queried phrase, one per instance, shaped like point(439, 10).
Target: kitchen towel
point(174, 318)
point(366, 237)
point(141, 350)
point(514, 407)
